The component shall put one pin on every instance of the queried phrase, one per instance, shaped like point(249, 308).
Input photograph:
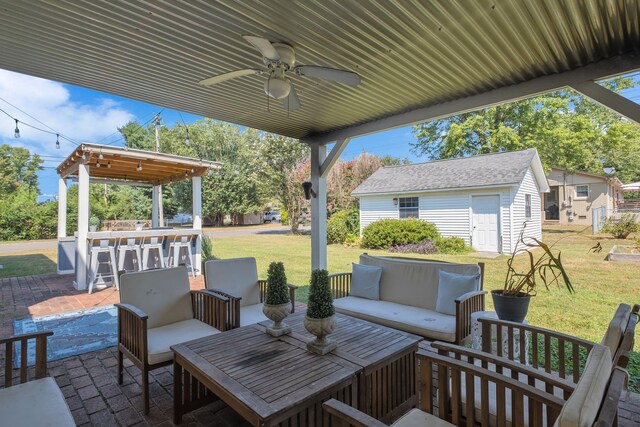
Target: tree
point(18, 168)
point(569, 131)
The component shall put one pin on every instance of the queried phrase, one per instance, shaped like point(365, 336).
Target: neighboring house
point(483, 199)
point(573, 196)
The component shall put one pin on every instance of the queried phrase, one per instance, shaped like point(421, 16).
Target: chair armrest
point(536, 337)
point(132, 331)
point(349, 416)
point(226, 294)
point(502, 364)
point(211, 308)
point(467, 304)
point(16, 338)
point(41, 355)
point(232, 317)
point(340, 284)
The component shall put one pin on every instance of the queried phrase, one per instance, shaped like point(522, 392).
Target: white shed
point(483, 199)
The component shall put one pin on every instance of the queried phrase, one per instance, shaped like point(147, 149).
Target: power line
point(140, 127)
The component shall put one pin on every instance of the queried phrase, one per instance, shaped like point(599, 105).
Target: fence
point(125, 224)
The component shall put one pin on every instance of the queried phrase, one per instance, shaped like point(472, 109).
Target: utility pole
point(156, 122)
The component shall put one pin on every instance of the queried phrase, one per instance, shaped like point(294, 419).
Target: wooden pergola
point(103, 164)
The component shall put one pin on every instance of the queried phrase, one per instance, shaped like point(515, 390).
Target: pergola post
point(83, 227)
point(196, 190)
point(62, 207)
point(318, 208)
point(155, 211)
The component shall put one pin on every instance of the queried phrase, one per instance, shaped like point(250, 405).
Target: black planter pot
point(513, 309)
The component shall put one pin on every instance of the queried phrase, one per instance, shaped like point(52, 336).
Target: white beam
point(83, 227)
point(155, 217)
point(62, 207)
point(599, 70)
point(333, 157)
point(196, 194)
point(318, 209)
point(611, 100)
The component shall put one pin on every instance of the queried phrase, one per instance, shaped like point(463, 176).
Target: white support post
point(62, 207)
point(155, 216)
point(609, 99)
point(196, 194)
point(333, 157)
point(318, 208)
point(83, 227)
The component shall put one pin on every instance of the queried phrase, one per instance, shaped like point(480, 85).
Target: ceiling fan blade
point(227, 76)
point(264, 46)
point(291, 102)
point(340, 76)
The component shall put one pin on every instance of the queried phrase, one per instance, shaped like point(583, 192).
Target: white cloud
point(51, 103)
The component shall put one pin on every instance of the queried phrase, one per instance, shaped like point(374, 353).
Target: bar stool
point(152, 243)
point(129, 244)
point(175, 249)
point(94, 262)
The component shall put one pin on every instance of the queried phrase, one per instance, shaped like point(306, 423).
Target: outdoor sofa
point(32, 403)
point(408, 297)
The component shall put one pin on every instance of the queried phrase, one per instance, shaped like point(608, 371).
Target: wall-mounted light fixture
point(395, 201)
point(308, 191)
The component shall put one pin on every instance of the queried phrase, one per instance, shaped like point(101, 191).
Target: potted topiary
point(94, 223)
point(321, 315)
point(277, 304)
point(512, 301)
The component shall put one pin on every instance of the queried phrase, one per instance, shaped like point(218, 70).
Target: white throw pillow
point(365, 281)
point(452, 286)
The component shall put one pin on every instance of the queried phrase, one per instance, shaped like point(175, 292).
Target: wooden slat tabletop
point(265, 375)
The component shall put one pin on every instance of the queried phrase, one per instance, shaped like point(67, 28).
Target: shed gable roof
point(468, 172)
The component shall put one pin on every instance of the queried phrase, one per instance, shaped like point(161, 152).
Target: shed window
point(582, 191)
point(527, 206)
point(409, 207)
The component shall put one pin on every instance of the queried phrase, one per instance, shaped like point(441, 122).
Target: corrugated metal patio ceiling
point(408, 53)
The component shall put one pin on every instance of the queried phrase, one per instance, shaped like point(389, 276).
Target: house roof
point(614, 181)
point(488, 170)
point(409, 55)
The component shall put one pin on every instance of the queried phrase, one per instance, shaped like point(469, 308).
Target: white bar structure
point(62, 207)
point(196, 194)
point(83, 227)
point(155, 206)
point(318, 208)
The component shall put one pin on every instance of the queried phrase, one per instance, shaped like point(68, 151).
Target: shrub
point(284, 216)
point(621, 228)
point(207, 248)
point(320, 304)
point(452, 245)
point(393, 232)
point(342, 225)
point(425, 247)
point(277, 289)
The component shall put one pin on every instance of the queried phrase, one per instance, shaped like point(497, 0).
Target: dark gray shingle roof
point(477, 171)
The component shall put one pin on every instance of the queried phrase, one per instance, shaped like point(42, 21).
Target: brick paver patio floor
point(88, 381)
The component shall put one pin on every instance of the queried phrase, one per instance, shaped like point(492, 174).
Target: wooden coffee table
point(268, 381)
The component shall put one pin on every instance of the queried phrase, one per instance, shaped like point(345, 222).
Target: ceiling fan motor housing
point(287, 54)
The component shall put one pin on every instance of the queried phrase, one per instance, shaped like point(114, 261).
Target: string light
point(139, 168)
point(17, 131)
point(109, 164)
point(186, 138)
point(57, 141)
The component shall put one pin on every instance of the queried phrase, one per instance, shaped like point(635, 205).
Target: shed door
point(485, 214)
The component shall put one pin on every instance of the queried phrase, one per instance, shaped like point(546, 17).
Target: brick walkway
point(88, 381)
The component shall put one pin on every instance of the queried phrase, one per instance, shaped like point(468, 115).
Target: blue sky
point(87, 115)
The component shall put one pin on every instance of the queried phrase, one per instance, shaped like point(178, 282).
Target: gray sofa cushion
point(238, 276)
point(452, 286)
point(36, 403)
point(365, 281)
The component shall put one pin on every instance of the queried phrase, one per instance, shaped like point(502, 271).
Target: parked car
point(271, 216)
point(180, 219)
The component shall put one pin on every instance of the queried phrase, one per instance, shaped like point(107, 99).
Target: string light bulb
point(109, 164)
point(187, 141)
point(16, 133)
point(139, 168)
point(100, 156)
point(58, 141)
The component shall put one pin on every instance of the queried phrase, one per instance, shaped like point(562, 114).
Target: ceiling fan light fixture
point(277, 88)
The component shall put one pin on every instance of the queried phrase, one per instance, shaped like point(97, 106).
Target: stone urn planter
point(320, 328)
point(511, 308)
point(277, 313)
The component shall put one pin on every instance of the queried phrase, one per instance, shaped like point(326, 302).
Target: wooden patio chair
point(237, 280)
point(35, 403)
point(157, 310)
point(515, 403)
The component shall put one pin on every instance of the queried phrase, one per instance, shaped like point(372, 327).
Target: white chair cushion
point(415, 320)
point(159, 340)
point(452, 286)
point(417, 418)
point(163, 294)
point(238, 276)
point(616, 328)
point(251, 314)
point(582, 407)
point(36, 403)
point(365, 281)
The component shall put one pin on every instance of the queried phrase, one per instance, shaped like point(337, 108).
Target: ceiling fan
point(279, 60)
